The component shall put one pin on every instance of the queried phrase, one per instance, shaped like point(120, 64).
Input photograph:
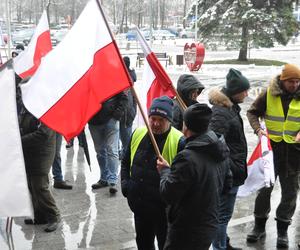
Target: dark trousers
point(147, 227)
point(286, 208)
point(44, 205)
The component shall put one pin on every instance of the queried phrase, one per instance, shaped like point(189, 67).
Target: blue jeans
point(125, 134)
point(226, 207)
point(106, 138)
point(56, 166)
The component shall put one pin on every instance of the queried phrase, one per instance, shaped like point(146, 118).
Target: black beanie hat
point(235, 82)
point(162, 106)
point(197, 116)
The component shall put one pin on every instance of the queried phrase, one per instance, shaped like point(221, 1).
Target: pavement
point(98, 220)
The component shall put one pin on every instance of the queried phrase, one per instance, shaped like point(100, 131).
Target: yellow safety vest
point(278, 127)
point(170, 147)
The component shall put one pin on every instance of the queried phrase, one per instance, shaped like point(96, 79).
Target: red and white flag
point(83, 71)
point(155, 78)
point(27, 62)
point(260, 169)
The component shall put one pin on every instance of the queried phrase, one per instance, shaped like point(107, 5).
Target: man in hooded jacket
point(193, 184)
point(188, 88)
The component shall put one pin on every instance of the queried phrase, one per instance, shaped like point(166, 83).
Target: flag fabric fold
point(260, 169)
point(27, 62)
point(155, 78)
point(14, 196)
point(83, 71)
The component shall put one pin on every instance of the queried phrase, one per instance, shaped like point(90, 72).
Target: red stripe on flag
point(42, 47)
point(255, 155)
point(162, 85)
point(103, 80)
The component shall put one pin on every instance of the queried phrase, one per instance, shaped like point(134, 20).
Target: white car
point(187, 33)
point(160, 35)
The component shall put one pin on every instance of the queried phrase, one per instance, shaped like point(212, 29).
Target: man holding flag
point(279, 105)
point(140, 178)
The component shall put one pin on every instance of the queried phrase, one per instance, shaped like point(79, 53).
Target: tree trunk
point(244, 43)
point(162, 13)
point(184, 13)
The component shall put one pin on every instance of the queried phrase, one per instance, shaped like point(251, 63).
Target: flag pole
point(158, 154)
point(148, 49)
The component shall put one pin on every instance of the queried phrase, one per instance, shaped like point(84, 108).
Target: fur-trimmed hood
point(217, 97)
point(276, 88)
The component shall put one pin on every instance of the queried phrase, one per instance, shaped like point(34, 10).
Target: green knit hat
point(235, 82)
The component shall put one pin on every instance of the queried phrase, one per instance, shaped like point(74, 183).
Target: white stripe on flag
point(14, 196)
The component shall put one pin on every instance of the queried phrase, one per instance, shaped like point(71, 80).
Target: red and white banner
point(260, 169)
point(155, 78)
point(14, 196)
point(27, 62)
point(83, 71)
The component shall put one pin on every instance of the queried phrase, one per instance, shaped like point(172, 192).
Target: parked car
point(22, 37)
point(159, 35)
point(58, 36)
point(187, 33)
point(131, 35)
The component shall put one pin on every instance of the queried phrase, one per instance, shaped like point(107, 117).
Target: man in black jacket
point(226, 120)
point(104, 128)
point(193, 184)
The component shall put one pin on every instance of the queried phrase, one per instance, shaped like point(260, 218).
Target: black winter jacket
point(141, 187)
point(226, 120)
point(192, 187)
point(112, 108)
point(38, 143)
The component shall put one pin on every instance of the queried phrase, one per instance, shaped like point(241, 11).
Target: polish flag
point(156, 80)
point(260, 169)
point(83, 71)
point(27, 62)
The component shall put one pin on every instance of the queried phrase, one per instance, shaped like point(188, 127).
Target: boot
point(282, 236)
point(259, 230)
point(229, 247)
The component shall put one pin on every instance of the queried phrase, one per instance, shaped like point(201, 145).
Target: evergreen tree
point(239, 23)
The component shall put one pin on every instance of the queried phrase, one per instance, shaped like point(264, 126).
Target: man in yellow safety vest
point(140, 179)
point(279, 105)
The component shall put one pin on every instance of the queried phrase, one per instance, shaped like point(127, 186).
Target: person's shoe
point(52, 226)
point(113, 188)
point(259, 230)
point(62, 185)
point(282, 241)
point(298, 245)
point(34, 222)
point(229, 247)
point(282, 235)
point(100, 184)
